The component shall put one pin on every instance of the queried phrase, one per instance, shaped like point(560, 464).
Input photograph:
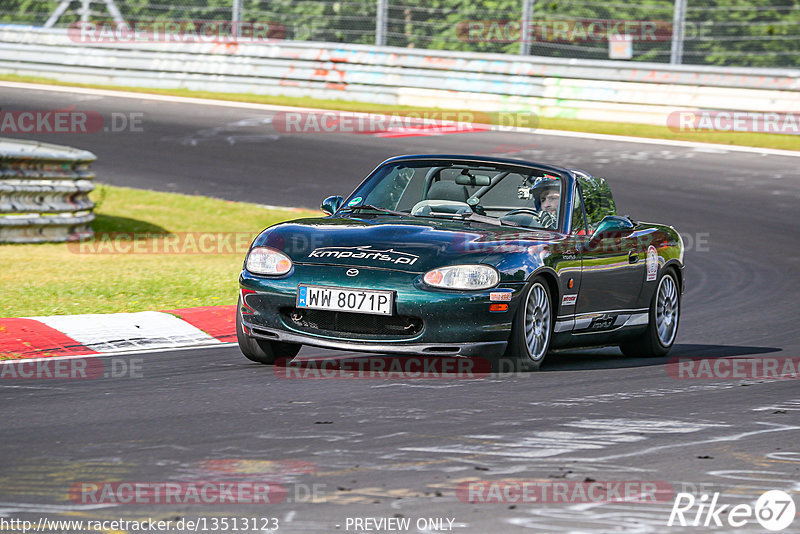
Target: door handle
point(633, 256)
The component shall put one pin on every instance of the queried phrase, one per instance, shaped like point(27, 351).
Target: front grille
point(334, 322)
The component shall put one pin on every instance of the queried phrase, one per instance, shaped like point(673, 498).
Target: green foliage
point(597, 199)
point(757, 33)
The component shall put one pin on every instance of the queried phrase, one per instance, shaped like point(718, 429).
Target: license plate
point(349, 300)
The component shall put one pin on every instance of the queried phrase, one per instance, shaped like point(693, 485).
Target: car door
point(612, 265)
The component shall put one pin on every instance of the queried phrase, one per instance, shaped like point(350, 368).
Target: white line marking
point(751, 476)
point(733, 437)
point(28, 387)
point(37, 507)
point(153, 97)
point(702, 147)
point(705, 147)
point(115, 332)
point(121, 353)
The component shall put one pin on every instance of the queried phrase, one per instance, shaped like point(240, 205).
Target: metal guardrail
point(44, 192)
point(617, 91)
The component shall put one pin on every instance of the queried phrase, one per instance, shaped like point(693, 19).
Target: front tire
point(532, 328)
point(262, 350)
point(662, 326)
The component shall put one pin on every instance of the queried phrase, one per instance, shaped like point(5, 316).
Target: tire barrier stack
point(44, 192)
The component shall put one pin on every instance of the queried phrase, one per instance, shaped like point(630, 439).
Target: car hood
point(410, 244)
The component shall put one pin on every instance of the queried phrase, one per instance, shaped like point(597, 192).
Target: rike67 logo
point(774, 510)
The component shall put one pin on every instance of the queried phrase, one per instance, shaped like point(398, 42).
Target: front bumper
point(454, 323)
point(485, 349)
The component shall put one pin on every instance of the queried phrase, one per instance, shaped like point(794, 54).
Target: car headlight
point(463, 277)
point(265, 260)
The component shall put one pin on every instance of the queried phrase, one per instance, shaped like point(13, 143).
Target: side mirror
point(612, 224)
point(331, 205)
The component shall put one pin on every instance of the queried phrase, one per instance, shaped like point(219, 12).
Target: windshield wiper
point(374, 208)
point(472, 216)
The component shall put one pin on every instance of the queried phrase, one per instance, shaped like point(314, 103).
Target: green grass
point(785, 142)
point(54, 279)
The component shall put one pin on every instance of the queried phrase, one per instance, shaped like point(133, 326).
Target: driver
point(547, 195)
point(550, 199)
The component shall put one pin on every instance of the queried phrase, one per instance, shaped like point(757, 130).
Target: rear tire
point(662, 326)
point(262, 350)
point(532, 329)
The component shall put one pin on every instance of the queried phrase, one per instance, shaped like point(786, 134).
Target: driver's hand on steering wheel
point(547, 219)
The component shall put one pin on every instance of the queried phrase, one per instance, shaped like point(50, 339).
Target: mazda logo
point(352, 272)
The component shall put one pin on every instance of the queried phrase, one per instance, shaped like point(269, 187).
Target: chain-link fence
point(759, 33)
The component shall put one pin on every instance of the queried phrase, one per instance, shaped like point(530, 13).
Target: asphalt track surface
point(399, 448)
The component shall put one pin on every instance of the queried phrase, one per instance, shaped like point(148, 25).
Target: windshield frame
point(567, 177)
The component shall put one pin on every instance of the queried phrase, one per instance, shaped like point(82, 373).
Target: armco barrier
point(583, 89)
point(43, 192)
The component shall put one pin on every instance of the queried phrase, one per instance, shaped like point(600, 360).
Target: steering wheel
point(532, 211)
point(541, 217)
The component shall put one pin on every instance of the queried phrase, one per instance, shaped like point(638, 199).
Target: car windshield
point(502, 194)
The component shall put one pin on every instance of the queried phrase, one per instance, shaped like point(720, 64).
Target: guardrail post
point(380, 22)
point(525, 28)
point(85, 11)
point(678, 25)
point(115, 12)
point(236, 18)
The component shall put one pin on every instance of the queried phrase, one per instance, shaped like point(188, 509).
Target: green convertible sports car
point(463, 256)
